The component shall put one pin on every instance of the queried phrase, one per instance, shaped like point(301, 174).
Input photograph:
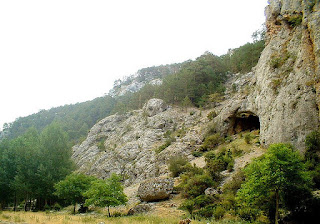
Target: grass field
point(60, 218)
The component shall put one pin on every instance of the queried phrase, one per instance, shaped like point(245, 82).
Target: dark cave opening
point(245, 121)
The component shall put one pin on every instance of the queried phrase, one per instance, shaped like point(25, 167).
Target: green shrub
point(235, 183)
point(211, 142)
point(248, 214)
point(312, 156)
point(196, 153)
point(311, 4)
point(167, 134)
point(236, 151)
point(218, 162)
point(206, 211)
point(234, 87)
point(57, 207)
point(203, 200)
point(295, 20)
point(177, 165)
point(188, 205)
point(248, 138)
point(165, 145)
point(101, 142)
point(219, 212)
point(212, 115)
point(47, 207)
point(193, 186)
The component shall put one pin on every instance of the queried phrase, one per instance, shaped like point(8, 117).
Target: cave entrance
point(244, 121)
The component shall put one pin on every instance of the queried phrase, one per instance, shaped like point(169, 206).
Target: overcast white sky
point(60, 52)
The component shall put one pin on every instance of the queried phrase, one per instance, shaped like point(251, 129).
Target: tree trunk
point(74, 208)
point(277, 207)
point(109, 211)
point(15, 202)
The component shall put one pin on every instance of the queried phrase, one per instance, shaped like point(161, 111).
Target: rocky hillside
point(152, 75)
point(138, 144)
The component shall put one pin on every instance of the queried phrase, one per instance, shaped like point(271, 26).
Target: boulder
point(211, 191)
point(138, 209)
point(155, 189)
point(154, 106)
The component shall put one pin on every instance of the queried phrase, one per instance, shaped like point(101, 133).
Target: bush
point(177, 165)
point(312, 157)
point(47, 207)
point(101, 142)
point(248, 214)
point(196, 153)
point(235, 183)
point(203, 200)
point(296, 20)
point(206, 211)
point(219, 212)
point(247, 138)
point(212, 115)
point(188, 205)
point(211, 142)
point(165, 145)
point(57, 207)
point(219, 162)
point(193, 186)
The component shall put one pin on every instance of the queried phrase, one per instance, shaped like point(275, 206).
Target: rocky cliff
point(282, 90)
point(138, 144)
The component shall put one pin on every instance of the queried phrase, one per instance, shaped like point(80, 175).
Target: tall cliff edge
point(283, 90)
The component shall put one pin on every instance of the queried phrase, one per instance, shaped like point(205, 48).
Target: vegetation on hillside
point(276, 186)
point(75, 119)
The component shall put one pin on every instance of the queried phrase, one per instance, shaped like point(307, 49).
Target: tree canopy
point(279, 175)
point(73, 187)
point(32, 163)
point(106, 193)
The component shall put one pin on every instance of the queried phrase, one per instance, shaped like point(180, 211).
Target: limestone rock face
point(282, 89)
point(154, 106)
point(126, 144)
point(155, 189)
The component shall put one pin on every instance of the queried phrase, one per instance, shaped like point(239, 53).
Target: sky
point(57, 52)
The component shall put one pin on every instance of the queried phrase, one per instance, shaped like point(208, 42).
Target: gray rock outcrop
point(155, 189)
point(127, 144)
point(154, 106)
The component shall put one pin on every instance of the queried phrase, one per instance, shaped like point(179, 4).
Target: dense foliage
point(106, 193)
point(276, 186)
point(72, 188)
point(31, 164)
point(312, 156)
point(280, 176)
point(88, 190)
point(242, 59)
